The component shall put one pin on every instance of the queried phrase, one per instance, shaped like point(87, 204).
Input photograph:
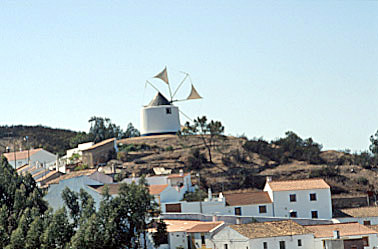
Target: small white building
point(160, 116)
point(344, 235)
point(362, 215)
point(33, 157)
point(191, 234)
point(267, 235)
point(308, 198)
point(78, 150)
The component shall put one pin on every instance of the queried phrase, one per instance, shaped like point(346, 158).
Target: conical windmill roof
point(159, 99)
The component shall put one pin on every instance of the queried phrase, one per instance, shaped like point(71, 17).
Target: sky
point(262, 67)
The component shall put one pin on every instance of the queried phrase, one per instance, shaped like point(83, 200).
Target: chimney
point(336, 234)
point(268, 179)
point(238, 221)
point(209, 194)
point(215, 217)
point(181, 172)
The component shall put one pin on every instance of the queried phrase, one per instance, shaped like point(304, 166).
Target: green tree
point(131, 131)
point(374, 144)
point(208, 131)
point(103, 128)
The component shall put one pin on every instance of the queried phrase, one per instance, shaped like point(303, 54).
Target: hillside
point(235, 168)
point(53, 140)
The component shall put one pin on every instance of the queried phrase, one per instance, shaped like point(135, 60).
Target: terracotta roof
point(20, 155)
point(114, 188)
point(345, 229)
point(100, 144)
point(49, 174)
point(361, 211)
point(270, 229)
point(373, 227)
point(305, 184)
point(157, 189)
point(191, 226)
point(178, 175)
point(248, 198)
point(72, 174)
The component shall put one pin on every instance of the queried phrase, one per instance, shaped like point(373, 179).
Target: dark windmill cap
point(159, 99)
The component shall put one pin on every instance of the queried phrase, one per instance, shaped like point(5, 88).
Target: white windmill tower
point(160, 116)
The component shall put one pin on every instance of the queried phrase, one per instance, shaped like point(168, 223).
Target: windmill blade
point(182, 82)
point(194, 94)
point(163, 75)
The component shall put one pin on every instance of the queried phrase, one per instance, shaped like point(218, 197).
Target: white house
point(241, 204)
point(78, 150)
point(267, 235)
point(33, 157)
point(344, 235)
point(362, 215)
point(308, 198)
point(191, 234)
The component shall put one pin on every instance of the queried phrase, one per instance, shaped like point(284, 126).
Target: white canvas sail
point(163, 75)
point(194, 94)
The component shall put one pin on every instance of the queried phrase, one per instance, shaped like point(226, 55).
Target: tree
point(103, 128)
point(161, 235)
point(374, 144)
point(131, 131)
point(209, 132)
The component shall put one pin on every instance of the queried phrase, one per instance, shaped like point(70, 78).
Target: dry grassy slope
point(246, 175)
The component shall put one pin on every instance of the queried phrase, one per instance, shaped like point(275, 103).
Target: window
point(203, 239)
point(314, 214)
point(293, 198)
point(282, 245)
point(293, 214)
point(313, 197)
point(262, 209)
point(265, 245)
point(168, 110)
point(299, 242)
point(238, 211)
point(366, 241)
point(367, 223)
point(225, 246)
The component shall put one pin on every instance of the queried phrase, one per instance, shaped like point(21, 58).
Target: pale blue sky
point(263, 67)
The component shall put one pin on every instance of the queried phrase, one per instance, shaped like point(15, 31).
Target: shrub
point(362, 180)
point(196, 159)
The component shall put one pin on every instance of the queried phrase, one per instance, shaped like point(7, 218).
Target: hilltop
point(236, 168)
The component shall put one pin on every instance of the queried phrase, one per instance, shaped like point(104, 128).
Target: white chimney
point(215, 217)
point(209, 194)
point(336, 234)
point(181, 172)
point(238, 221)
point(268, 179)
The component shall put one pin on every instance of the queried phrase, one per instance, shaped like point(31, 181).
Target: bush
point(362, 180)
point(326, 171)
point(197, 195)
point(169, 148)
point(81, 167)
point(196, 159)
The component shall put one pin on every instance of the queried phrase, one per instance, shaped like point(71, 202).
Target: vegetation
point(26, 222)
point(196, 160)
point(197, 195)
point(208, 131)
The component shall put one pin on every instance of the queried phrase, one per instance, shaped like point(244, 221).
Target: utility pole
point(199, 188)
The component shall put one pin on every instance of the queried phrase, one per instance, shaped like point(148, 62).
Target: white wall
point(177, 239)
point(291, 242)
point(233, 239)
point(154, 119)
point(373, 241)
point(170, 194)
point(303, 206)
point(373, 220)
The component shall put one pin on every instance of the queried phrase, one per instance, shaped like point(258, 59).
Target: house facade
point(363, 215)
point(99, 153)
point(34, 157)
point(309, 198)
point(266, 235)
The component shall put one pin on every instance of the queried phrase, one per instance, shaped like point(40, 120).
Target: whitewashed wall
point(373, 220)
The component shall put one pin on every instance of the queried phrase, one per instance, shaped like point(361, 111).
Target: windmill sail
point(163, 75)
point(194, 94)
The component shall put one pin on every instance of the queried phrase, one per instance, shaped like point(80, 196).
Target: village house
point(99, 153)
point(40, 175)
point(191, 234)
point(34, 157)
point(362, 215)
point(308, 198)
point(77, 151)
point(267, 235)
point(344, 236)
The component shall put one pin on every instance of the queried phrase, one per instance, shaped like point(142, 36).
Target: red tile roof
point(305, 184)
point(345, 229)
point(157, 189)
point(114, 188)
point(20, 155)
point(191, 226)
point(178, 175)
point(248, 198)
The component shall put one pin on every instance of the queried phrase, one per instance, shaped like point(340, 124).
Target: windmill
point(160, 116)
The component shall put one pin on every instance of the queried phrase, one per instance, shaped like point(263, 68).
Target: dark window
point(282, 245)
point(293, 198)
point(238, 211)
point(168, 110)
point(293, 214)
point(314, 214)
point(299, 242)
point(313, 197)
point(366, 241)
point(367, 222)
point(262, 209)
point(203, 239)
point(265, 245)
point(225, 246)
